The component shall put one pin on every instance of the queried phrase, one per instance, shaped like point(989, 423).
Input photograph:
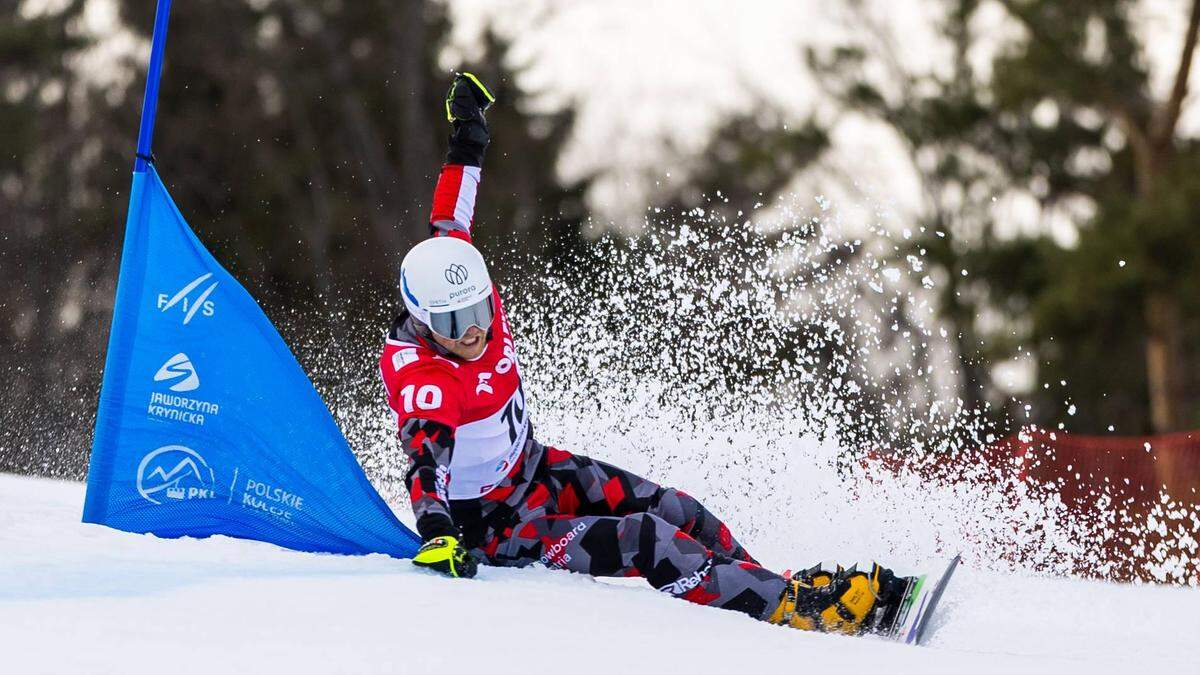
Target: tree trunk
point(367, 146)
point(1165, 367)
point(410, 89)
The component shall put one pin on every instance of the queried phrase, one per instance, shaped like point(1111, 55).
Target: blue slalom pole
point(153, 75)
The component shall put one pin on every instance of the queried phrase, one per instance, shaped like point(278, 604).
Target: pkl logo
point(177, 472)
point(189, 306)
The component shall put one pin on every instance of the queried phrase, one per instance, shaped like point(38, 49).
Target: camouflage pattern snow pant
point(571, 512)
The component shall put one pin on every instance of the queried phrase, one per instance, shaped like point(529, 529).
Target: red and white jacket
point(432, 393)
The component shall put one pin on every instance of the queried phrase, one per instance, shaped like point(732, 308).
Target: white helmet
point(445, 285)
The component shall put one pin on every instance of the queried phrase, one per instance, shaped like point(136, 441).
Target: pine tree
point(1068, 117)
point(301, 139)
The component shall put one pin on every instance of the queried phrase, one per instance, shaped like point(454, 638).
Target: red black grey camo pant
point(570, 512)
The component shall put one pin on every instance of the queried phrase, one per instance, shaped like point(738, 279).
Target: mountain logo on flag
point(177, 472)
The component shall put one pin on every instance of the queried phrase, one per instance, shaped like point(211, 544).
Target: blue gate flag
point(207, 424)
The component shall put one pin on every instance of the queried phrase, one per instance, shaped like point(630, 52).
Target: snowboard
point(920, 602)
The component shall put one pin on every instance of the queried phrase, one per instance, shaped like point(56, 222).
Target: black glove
point(465, 104)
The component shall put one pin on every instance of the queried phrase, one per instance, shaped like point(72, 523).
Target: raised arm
point(427, 401)
point(454, 197)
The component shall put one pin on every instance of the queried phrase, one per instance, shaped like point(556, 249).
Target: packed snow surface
point(84, 598)
point(786, 361)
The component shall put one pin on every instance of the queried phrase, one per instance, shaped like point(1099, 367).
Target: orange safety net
point(1134, 500)
point(1148, 487)
point(1136, 467)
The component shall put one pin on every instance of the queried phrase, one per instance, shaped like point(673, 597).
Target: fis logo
point(179, 367)
point(186, 304)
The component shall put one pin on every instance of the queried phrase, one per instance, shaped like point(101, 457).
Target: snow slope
point(83, 598)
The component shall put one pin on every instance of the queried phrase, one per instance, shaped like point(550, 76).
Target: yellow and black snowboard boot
point(844, 601)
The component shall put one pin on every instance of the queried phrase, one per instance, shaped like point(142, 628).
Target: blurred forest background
point(1044, 153)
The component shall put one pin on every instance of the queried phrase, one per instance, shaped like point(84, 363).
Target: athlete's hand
point(467, 99)
point(447, 556)
point(466, 102)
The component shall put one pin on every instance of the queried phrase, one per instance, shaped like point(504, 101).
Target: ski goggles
point(453, 325)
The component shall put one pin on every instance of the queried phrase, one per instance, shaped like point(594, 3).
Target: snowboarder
point(483, 489)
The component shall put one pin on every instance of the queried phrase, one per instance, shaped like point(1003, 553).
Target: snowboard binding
point(854, 602)
point(847, 601)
